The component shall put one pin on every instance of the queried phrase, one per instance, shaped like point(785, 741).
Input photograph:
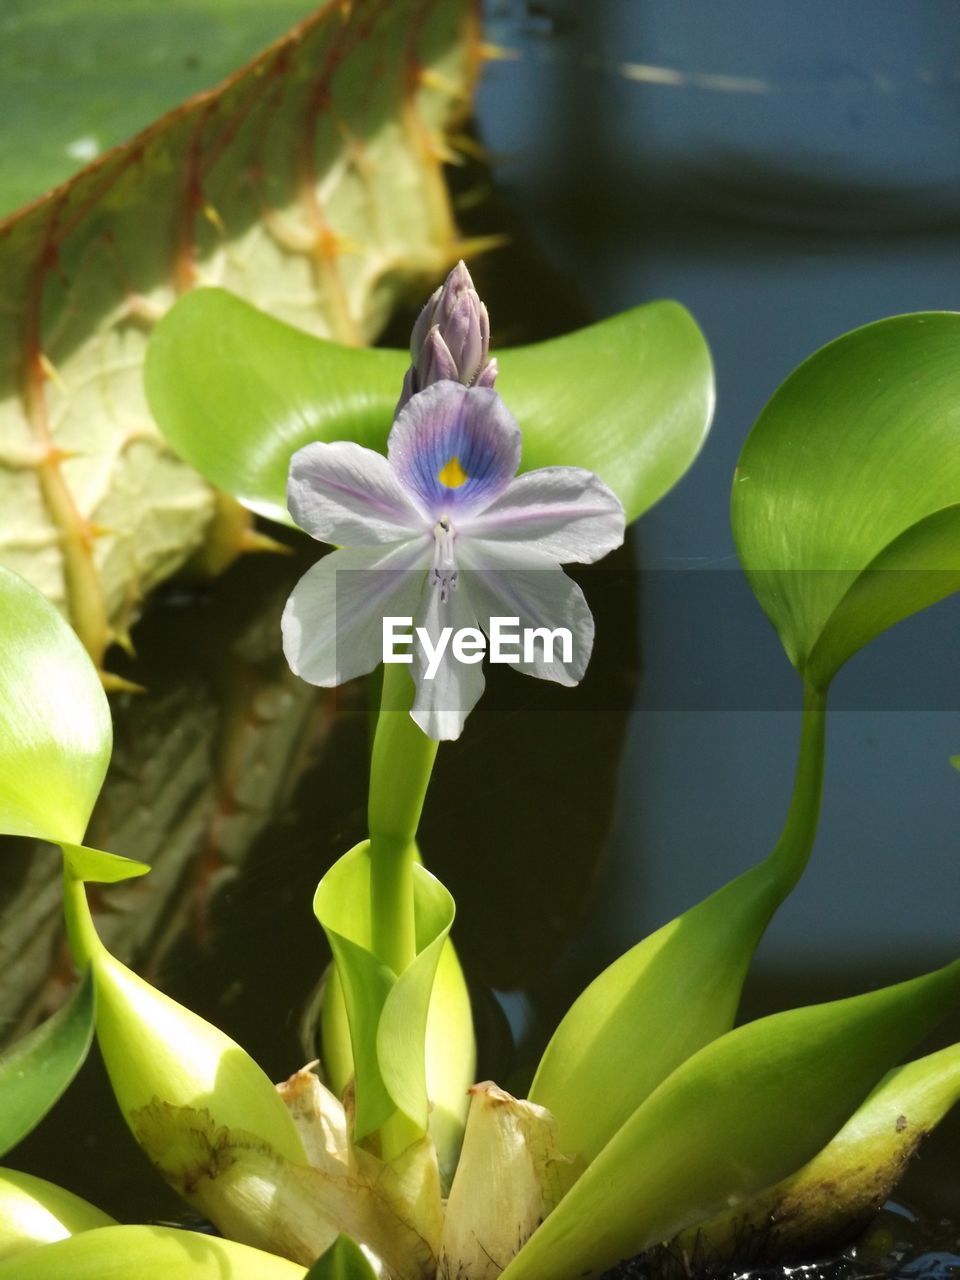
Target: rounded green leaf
point(747, 1110)
point(55, 731)
point(237, 392)
point(149, 1253)
point(630, 398)
point(36, 1070)
point(846, 501)
point(387, 1013)
point(35, 1212)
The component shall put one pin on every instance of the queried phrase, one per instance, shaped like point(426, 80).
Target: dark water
point(787, 172)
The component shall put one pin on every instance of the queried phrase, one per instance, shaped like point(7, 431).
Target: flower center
point(451, 474)
point(444, 573)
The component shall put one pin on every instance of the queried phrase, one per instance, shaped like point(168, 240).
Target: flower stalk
point(400, 767)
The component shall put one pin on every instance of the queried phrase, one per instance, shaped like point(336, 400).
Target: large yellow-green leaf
point(846, 1182)
point(35, 1212)
point(676, 990)
point(846, 501)
point(236, 393)
point(149, 1253)
point(310, 183)
point(55, 731)
point(742, 1113)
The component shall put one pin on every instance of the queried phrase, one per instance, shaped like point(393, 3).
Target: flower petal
point(448, 422)
point(506, 581)
point(566, 513)
point(348, 495)
point(332, 622)
point(443, 702)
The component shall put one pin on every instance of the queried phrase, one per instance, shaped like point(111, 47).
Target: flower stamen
point(444, 573)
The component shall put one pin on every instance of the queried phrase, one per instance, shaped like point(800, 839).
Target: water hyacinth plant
point(651, 1120)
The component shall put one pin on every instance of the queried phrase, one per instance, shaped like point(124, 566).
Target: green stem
point(400, 768)
point(792, 850)
point(81, 934)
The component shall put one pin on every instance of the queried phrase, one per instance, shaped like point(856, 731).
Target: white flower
point(442, 530)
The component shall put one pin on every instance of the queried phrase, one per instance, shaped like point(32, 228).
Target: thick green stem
point(400, 768)
point(792, 850)
point(81, 933)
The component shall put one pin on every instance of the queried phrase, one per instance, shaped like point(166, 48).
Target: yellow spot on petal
point(451, 474)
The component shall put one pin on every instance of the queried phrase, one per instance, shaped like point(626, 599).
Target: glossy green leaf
point(55, 731)
point(311, 182)
point(236, 392)
point(35, 1212)
point(846, 501)
point(344, 1260)
point(677, 989)
point(195, 1101)
point(158, 1052)
point(36, 1070)
point(848, 1180)
point(742, 1113)
point(149, 1253)
point(387, 1013)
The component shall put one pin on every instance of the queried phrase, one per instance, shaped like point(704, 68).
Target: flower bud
point(451, 339)
point(435, 362)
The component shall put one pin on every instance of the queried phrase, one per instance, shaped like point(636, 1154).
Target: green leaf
point(37, 1069)
point(450, 1052)
point(35, 1212)
point(55, 731)
point(846, 502)
point(149, 1253)
point(630, 398)
point(78, 78)
point(676, 990)
point(848, 1180)
point(93, 866)
point(311, 182)
point(344, 1260)
point(236, 392)
point(748, 1109)
point(387, 1013)
point(194, 1100)
point(158, 1053)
